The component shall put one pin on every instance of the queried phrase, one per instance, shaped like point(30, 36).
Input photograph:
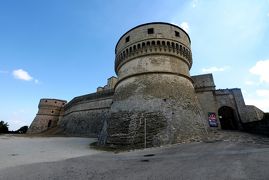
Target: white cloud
point(263, 93)
point(185, 26)
point(22, 75)
point(214, 69)
point(249, 83)
point(260, 103)
point(259, 98)
point(261, 69)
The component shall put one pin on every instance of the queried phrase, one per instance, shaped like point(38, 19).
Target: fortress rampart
point(84, 115)
point(153, 100)
point(49, 113)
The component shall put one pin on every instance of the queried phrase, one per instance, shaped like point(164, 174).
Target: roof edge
point(149, 24)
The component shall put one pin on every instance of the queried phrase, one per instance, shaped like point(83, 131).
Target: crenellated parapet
point(151, 47)
point(155, 38)
point(52, 107)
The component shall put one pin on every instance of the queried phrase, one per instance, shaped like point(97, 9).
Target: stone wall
point(240, 104)
point(224, 97)
point(254, 113)
point(85, 115)
point(208, 102)
point(49, 112)
point(258, 127)
point(203, 82)
point(205, 90)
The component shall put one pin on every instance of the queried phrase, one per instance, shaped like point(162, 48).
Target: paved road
point(214, 160)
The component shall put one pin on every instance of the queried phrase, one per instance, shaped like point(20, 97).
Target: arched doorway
point(227, 118)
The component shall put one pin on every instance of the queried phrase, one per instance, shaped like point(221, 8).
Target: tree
point(3, 127)
point(22, 130)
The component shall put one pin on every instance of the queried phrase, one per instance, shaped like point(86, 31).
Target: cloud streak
point(214, 69)
point(263, 93)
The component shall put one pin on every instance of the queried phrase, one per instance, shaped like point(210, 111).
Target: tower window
point(127, 39)
point(150, 31)
point(177, 34)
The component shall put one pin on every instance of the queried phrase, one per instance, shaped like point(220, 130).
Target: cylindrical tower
point(154, 101)
point(49, 113)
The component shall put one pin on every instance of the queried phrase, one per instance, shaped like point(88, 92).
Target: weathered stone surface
point(155, 88)
point(85, 115)
point(84, 123)
point(49, 112)
point(156, 101)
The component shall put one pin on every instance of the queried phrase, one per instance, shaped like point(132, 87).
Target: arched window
point(49, 123)
point(168, 43)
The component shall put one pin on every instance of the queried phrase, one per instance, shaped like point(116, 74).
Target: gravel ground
point(224, 155)
point(18, 150)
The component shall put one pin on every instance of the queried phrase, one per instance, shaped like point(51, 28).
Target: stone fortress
point(153, 100)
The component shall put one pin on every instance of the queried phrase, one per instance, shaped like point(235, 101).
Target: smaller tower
point(49, 113)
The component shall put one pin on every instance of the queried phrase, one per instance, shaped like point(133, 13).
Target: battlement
point(45, 102)
point(111, 82)
point(153, 38)
point(88, 97)
point(226, 91)
point(204, 82)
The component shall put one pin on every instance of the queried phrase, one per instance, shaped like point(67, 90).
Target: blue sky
point(65, 48)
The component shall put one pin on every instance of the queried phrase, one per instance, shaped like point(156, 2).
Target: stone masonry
point(49, 113)
point(153, 100)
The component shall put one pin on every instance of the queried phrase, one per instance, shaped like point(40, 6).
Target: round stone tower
point(49, 113)
point(154, 101)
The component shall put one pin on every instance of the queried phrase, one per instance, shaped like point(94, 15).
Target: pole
point(145, 133)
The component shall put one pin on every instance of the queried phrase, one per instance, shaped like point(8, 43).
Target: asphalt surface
point(216, 160)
